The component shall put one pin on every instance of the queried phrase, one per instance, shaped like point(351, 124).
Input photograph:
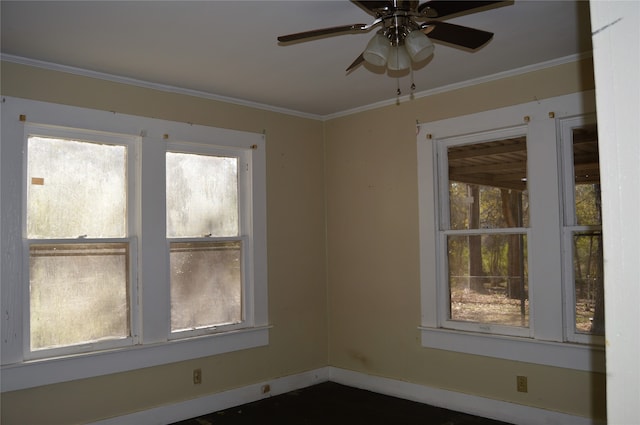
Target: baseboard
point(474, 405)
point(219, 401)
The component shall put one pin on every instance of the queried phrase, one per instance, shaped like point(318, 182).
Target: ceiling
point(503, 163)
point(229, 48)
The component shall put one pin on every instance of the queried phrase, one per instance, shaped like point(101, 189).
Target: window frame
point(244, 219)
point(131, 144)
point(154, 347)
point(570, 227)
point(547, 343)
point(444, 230)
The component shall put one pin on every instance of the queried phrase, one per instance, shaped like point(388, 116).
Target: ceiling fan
point(405, 24)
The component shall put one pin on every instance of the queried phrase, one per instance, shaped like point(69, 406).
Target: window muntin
point(80, 288)
point(484, 220)
point(583, 230)
point(206, 250)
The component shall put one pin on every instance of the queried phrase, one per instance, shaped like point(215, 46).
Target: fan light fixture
point(398, 59)
point(377, 50)
point(398, 55)
point(402, 39)
point(418, 46)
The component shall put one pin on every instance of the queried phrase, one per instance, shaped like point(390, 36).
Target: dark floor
point(331, 404)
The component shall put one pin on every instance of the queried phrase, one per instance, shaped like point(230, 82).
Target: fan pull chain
point(413, 85)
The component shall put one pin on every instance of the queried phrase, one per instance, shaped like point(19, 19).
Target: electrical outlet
point(521, 384)
point(197, 376)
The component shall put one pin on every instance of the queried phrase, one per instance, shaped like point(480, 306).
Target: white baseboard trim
point(474, 405)
point(166, 414)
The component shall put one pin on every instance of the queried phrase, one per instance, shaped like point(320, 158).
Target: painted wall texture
point(296, 256)
point(373, 250)
point(343, 252)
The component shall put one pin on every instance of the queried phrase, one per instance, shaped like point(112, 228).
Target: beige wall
point(373, 247)
point(296, 256)
point(365, 166)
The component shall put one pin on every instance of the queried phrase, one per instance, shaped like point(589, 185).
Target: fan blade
point(356, 62)
point(319, 32)
point(373, 7)
point(441, 8)
point(456, 34)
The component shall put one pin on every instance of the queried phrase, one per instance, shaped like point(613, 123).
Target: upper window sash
point(245, 191)
point(441, 147)
point(565, 133)
point(131, 144)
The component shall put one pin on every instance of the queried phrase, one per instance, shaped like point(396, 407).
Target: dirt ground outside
point(497, 308)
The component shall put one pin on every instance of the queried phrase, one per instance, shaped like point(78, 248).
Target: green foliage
point(588, 204)
point(494, 248)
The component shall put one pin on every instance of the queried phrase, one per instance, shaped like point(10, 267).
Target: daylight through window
point(486, 243)
point(511, 233)
point(206, 249)
point(583, 229)
point(79, 286)
point(130, 242)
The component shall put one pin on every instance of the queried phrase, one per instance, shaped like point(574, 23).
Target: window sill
point(35, 373)
point(558, 354)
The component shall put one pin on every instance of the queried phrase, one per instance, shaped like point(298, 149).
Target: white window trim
point(156, 348)
point(546, 345)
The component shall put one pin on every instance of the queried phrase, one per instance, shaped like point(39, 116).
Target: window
point(582, 236)
point(484, 229)
point(79, 271)
point(510, 234)
point(206, 249)
point(127, 242)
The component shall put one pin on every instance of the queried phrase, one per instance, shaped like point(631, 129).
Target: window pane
point(75, 189)
point(78, 294)
point(206, 284)
point(587, 175)
point(202, 195)
point(588, 276)
point(488, 185)
point(587, 245)
point(488, 279)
